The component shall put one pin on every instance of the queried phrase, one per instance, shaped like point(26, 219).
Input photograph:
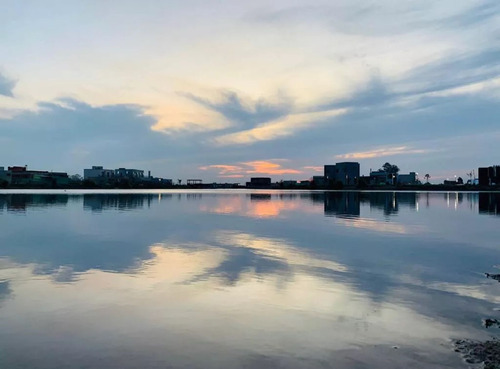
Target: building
point(136, 174)
point(380, 177)
point(98, 172)
point(22, 177)
point(259, 182)
point(5, 177)
point(346, 173)
point(489, 176)
point(407, 179)
point(289, 183)
point(319, 181)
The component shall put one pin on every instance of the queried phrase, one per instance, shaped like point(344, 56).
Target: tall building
point(489, 176)
point(346, 173)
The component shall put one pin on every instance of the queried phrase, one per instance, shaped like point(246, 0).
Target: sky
point(227, 90)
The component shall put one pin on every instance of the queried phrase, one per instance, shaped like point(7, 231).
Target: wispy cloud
point(314, 168)
point(381, 152)
point(279, 128)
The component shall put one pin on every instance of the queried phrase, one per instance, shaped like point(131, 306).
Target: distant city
point(344, 175)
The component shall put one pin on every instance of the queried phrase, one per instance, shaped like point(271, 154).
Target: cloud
point(245, 112)
point(279, 128)
point(315, 168)
point(386, 151)
point(265, 167)
point(7, 86)
point(268, 167)
point(223, 169)
point(268, 81)
point(71, 135)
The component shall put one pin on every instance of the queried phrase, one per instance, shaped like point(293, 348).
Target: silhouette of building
point(259, 182)
point(407, 179)
point(5, 177)
point(20, 176)
point(381, 177)
point(489, 176)
point(346, 173)
point(319, 181)
point(120, 176)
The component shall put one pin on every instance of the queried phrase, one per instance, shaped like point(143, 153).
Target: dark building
point(489, 176)
point(259, 182)
point(22, 177)
point(346, 173)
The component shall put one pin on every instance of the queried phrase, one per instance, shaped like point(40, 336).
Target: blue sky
point(227, 90)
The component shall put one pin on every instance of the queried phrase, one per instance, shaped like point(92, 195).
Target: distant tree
point(389, 168)
point(76, 178)
point(460, 180)
point(427, 176)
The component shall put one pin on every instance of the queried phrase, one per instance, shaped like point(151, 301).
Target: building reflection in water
point(347, 204)
point(21, 202)
point(271, 204)
point(342, 204)
point(489, 203)
point(117, 201)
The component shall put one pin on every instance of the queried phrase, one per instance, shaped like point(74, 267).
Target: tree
point(427, 176)
point(392, 171)
point(389, 168)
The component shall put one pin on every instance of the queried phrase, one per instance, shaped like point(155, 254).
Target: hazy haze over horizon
point(227, 90)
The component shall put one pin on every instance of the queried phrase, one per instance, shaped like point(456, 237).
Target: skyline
point(235, 90)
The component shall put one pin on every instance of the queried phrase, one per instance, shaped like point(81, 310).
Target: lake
point(241, 279)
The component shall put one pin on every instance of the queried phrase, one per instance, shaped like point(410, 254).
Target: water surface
point(236, 279)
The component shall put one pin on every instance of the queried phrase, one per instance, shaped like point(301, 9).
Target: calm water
point(245, 279)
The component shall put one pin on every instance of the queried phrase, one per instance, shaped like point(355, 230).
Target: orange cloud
point(268, 167)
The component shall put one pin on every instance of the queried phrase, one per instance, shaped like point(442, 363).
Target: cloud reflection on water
point(148, 274)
